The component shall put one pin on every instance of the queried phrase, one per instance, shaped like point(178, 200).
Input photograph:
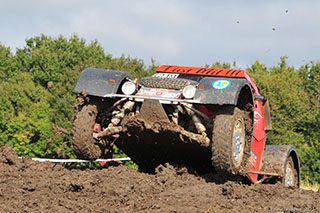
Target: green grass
point(308, 186)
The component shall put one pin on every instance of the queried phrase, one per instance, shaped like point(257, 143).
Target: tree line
point(36, 98)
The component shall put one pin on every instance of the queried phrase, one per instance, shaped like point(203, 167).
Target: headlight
point(189, 91)
point(128, 88)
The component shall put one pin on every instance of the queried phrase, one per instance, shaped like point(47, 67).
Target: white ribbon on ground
point(78, 160)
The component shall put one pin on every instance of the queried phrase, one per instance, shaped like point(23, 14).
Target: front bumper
point(160, 99)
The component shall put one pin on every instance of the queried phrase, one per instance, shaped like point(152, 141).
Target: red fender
point(258, 141)
point(258, 138)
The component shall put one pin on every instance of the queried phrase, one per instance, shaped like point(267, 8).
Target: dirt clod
point(29, 186)
point(8, 156)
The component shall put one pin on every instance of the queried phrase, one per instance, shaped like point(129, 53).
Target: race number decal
point(221, 84)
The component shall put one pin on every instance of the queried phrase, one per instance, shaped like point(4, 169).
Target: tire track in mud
point(29, 186)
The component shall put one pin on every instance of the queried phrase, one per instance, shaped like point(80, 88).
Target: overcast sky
point(185, 32)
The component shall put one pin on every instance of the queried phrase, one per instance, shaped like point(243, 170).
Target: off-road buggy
point(195, 116)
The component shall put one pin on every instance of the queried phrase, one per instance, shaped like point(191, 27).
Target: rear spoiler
point(236, 73)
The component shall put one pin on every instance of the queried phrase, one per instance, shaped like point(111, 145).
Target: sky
point(177, 32)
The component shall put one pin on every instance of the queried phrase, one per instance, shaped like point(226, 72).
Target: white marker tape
point(77, 160)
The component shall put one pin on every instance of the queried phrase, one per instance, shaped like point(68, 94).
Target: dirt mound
point(8, 156)
point(28, 186)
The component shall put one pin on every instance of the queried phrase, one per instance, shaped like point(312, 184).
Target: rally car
point(196, 116)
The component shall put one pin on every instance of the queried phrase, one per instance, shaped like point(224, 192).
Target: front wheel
point(83, 143)
point(228, 140)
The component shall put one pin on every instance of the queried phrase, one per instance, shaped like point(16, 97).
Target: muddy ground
point(29, 186)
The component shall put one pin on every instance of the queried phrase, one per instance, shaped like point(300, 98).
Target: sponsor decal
point(253, 155)
point(251, 164)
point(164, 93)
point(253, 159)
point(257, 116)
point(202, 71)
point(221, 84)
point(166, 75)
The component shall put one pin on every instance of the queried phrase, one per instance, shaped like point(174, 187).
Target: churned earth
point(29, 186)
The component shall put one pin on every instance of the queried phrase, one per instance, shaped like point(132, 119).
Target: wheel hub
point(238, 142)
point(289, 177)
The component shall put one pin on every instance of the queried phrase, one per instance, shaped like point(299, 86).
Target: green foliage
point(25, 116)
point(6, 60)
point(223, 65)
point(36, 98)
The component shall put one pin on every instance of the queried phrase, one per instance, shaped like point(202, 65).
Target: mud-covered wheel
point(83, 143)
point(290, 178)
point(228, 140)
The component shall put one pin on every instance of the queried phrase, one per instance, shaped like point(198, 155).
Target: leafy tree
point(6, 60)
point(25, 122)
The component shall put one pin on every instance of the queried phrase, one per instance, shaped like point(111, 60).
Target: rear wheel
point(290, 178)
point(83, 143)
point(228, 140)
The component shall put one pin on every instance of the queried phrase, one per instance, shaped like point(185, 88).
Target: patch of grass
point(308, 186)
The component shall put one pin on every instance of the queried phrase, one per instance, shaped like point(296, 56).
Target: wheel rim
point(289, 176)
point(238, 142)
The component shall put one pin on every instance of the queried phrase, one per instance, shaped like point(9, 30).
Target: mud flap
point(274, 160)
point(152, 112)
point(152, 139)
point(267, 116)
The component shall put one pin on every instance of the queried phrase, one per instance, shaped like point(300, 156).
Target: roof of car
point(235, 73)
